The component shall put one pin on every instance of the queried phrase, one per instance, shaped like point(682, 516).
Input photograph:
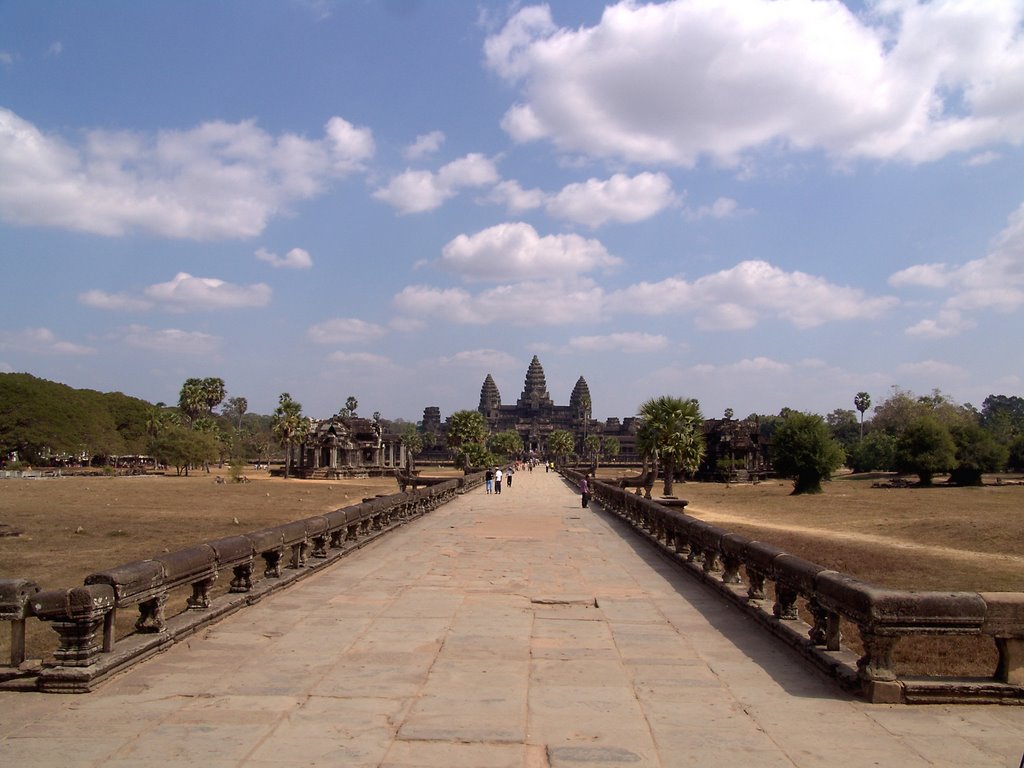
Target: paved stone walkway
point(512, 630)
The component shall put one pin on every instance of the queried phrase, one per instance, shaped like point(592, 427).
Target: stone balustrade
point(882, 616)
point(84, 617)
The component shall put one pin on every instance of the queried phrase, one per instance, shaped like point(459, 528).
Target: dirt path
point(715, 516)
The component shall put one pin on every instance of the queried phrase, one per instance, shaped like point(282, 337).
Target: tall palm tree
point(862, 401)
point(288, 426)
point(670, 432)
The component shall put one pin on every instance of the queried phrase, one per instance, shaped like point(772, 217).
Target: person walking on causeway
point(585, 492)
point(497, 480)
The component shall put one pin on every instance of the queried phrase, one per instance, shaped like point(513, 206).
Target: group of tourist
point(494, 477)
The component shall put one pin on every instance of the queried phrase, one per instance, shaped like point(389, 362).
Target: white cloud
point(114, 301)
point(620, 198)
point(425, 144)
point(172, 341)
point(419, 191)
point(907, 80)
point(345, 330)
point(620, 342)
point(983, 158)
point(552, 302)
point(993, 282)
point(926, 275)
point(950, 322)
point(296, 258)
point(187, 293)
point(740, 297)
point(6, 58)
point(515, 251)
point(41, 341)
point(218, 180)
point(722, 208)
point(516, 199)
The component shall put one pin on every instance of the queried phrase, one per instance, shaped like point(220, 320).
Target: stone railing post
point(1004, 621)
point(15, 596)
point(76, 615)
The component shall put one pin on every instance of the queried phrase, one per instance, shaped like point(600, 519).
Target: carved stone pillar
point(731, 570)
point(1011, 660)
point(242, 578)
point(710, 561)
point(151, 614)
point(755, 590)
point(201, 593)
point(273, 563)
point(818, 633)
point(876, 663)
point(319, 547)
point(785, 602)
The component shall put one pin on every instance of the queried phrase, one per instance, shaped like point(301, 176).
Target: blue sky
point(756, 204)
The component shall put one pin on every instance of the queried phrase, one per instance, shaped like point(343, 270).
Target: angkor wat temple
point(735, 448)
point(535, 415)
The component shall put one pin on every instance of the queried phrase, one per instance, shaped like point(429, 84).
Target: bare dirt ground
point(69, 527)
point(73, 526)
point(911, 538)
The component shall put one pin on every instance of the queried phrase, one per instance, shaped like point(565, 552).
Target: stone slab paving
point(512, 630)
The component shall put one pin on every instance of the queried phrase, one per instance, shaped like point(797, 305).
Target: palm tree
point(288, 426)
point(560, 444)
point(670, 431)
point(192, 399)
point(862, 401)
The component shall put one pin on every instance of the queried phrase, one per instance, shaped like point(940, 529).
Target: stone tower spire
point(490, 398)
point(579, 400)
point(535, 389)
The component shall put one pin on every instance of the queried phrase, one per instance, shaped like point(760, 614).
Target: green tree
point(183, 448)
point(507, 444)
point(475, 456)
point(350, 406)
point(610, 448)
point(976, 452)
point(288, 426)
point(877, 451)
point(465, 428)
point(1003, 417)
point(862, 401)
point(592, 447)
point(804, 449)
point(235, 409)
point(560, 444)
point(1016, 451)
point(198, 397)
point(925, 449)
point(902, 408)
point(670, 431)
point(842, 423)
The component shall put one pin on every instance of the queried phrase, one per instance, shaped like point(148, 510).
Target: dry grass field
point(915, 538)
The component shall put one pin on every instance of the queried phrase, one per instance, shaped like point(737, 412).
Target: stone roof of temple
point(580, 394)
point(535, 387)
point(490, 398)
